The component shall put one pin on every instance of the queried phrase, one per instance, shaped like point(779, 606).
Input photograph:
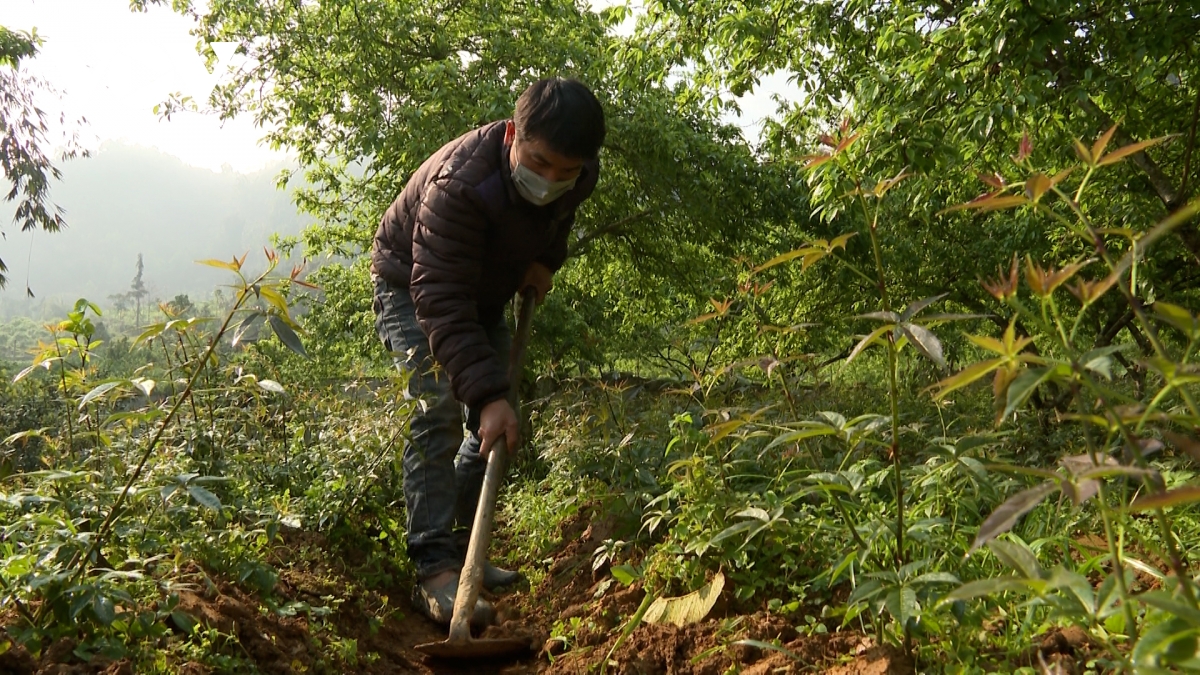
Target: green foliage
point(188, 456)
point(23, 155)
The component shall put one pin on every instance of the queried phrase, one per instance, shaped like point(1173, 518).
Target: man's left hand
point(540, 278)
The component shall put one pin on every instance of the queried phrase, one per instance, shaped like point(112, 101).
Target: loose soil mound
point(280, 639)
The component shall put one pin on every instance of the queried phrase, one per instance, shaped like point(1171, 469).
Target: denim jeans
point(443, 472)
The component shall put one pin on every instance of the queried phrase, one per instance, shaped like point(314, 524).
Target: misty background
point(127, 199)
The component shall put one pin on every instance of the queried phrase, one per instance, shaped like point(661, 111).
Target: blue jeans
point(443, 472)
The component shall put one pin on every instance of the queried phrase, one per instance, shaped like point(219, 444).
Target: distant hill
point(125, 200)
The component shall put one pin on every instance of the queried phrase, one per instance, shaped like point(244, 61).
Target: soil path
point(320, 619)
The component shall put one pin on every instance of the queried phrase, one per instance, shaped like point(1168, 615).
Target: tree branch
point(1171, 197)
point(582, 243)
point(1191, 146)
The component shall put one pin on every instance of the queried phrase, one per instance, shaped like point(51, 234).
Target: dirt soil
point(312, 572)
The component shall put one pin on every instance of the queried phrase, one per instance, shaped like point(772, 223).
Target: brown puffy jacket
point(460, 238)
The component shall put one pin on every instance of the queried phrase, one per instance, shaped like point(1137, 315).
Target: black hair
point(563, 113)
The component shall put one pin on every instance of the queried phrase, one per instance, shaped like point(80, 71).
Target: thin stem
point(80, 560)
point(62, 372)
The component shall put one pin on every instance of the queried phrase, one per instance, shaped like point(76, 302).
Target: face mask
point(536, 189)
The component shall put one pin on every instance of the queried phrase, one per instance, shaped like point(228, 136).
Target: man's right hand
point(495, 420)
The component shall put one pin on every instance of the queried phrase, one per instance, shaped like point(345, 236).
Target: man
point(485, 216)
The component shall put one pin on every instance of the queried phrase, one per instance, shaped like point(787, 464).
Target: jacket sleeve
point(556, 254)
point(449, 238)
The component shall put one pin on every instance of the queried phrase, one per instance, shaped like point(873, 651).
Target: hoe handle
point(497, 463)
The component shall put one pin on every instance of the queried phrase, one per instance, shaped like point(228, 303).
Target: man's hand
point(540, 278)
point(495, 420)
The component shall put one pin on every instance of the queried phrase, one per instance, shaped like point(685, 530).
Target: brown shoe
point(436, 603)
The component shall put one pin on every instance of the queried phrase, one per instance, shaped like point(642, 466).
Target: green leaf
point(1178, 317)
point(244, 327)
point(738, 528)
point(902, 604)
point(103, 608)
point(1017, 557)
point(287, 336)
point(1077, 584)
point(183, 621)
point(982, 587)
point(965, 377)
point(98, 391)
point(1168, 642)
point(1167, 603)
point(867, 341)
point(935, 578)
point(1024, 385)
point(625, 574)
point(204, 497)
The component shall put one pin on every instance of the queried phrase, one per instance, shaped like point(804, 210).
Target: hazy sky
point(112, 66)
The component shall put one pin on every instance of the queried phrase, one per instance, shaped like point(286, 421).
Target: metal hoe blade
point(460, 644)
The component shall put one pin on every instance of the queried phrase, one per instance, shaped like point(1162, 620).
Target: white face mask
point(536, 189)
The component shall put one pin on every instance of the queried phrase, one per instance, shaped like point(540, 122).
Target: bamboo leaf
point(1121, 153)
point(247, 323)
point(913, 309)
point(1023, 387)
point(98, 391)
point(274, 297)
point(982, 587)
point(205, 498)
point(925, 342)
point(1036, 186)
point(867, 341)
point(966, 376)
point(890, 317)
point(287, 336)
point(786, 257)
point(989, 204)
point(271, 386)
point(1006, 515)
point(1018, 558)
point(144, 385)
point(1162, 500)
point(686, 609)
point(231, 266)
point(1101, 143)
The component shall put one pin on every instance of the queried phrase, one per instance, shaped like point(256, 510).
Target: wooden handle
point(471, 578)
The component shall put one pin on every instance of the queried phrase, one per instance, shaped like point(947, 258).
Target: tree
point(137, 291)
point(944, 91)
point(364, 90)
point(180, 305)
point(23, 141)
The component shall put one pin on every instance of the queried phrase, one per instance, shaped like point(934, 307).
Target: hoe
point(460, 644)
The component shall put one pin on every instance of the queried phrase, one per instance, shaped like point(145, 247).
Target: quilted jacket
point(460, 238)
